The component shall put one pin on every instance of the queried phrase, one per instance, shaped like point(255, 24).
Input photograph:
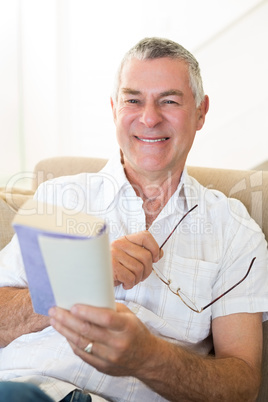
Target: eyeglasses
point(184, 216)
point(185, 299)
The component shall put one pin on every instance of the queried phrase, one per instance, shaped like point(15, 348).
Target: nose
point(151, 115)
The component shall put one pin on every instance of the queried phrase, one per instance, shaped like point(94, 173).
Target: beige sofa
point(251, 187)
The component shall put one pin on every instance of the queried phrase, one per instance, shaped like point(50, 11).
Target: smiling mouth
point(152, 140)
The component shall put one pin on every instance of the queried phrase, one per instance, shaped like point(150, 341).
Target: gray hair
point(155, 48)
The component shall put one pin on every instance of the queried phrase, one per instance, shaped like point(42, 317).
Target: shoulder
point(69, 191)
point(84, 191)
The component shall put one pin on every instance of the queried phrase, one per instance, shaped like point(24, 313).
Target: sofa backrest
point(249, 186)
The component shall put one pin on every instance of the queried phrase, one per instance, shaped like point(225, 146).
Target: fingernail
point(73, 310)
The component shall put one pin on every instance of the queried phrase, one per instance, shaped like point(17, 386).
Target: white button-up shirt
point(208, 253)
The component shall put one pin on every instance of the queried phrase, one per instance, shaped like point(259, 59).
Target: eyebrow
point(170, 92)
point(130, 91)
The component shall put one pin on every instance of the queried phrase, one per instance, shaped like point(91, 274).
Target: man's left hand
point(121, 343)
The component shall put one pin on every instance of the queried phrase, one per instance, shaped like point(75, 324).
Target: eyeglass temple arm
point(229, 290)
point(184, 216)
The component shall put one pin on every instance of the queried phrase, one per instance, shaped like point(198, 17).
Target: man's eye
point(132, 101)
point(170, 102)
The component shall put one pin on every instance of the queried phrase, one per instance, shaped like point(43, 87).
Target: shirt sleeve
point(244, 241)
point(12, 271)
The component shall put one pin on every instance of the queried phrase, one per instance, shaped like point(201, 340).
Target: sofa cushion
point(10, 202)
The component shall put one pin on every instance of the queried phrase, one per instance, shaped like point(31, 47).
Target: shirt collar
point(114, 171)
point(186, 190)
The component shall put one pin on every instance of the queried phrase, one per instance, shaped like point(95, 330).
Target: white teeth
point(157, 140)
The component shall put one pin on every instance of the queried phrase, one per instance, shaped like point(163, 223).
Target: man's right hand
point(133, 257)
point(17, 316)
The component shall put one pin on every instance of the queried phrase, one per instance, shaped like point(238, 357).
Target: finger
point(144, 254)
point(123, 275)
point(76, 330)
point(129, 270)
point(63, 322)
point(132, 253)
point(103, 317)
point(99, 358)
point(146, 240)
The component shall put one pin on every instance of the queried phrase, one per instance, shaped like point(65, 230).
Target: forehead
point(163, 73)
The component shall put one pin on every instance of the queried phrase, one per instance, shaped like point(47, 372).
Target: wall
point(235, 65)
point(58, 59)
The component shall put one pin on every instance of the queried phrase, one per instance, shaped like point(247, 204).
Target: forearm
point(178, 374)
point(17, 316)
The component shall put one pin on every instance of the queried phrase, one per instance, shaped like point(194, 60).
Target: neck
point(157, 188)
point(154, 189)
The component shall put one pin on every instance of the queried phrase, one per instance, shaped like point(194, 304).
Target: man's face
point(156, 117)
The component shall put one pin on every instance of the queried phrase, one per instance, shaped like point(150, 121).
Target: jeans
point(26, 392)
point(76, 396)
point(21, 392)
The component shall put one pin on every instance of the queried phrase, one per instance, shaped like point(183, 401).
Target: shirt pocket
point(193, 278)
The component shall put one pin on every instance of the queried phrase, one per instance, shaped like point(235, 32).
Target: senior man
point(204, 286)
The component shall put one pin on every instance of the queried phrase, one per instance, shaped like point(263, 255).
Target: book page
point(66, 256)
point(79, 270)
point(61, 220)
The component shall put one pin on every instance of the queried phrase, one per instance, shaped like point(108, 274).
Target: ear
point(201, 112)
point(113, 109)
